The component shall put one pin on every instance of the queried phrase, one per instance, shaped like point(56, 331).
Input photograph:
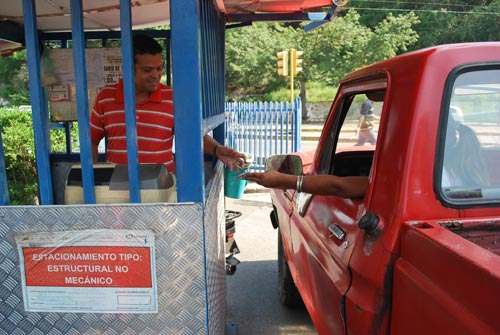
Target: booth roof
point(54, 15)
point(103, 15)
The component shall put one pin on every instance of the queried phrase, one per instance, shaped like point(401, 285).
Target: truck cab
point(419, 253)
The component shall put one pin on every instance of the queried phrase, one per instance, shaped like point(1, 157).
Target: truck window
point(471, 132)
point(351, 152)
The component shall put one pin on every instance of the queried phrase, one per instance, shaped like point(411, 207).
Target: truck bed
point(448, 276)
point(484, 234)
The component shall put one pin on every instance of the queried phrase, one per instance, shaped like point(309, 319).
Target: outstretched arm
point(346, 187)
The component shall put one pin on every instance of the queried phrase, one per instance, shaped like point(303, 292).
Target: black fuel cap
point(368, 222)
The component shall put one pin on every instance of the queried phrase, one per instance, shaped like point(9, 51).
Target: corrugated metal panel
point(190, 268)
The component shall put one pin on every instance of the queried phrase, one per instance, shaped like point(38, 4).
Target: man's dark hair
point(145, 44)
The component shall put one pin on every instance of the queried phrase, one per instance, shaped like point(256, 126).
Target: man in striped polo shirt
point(154, 115)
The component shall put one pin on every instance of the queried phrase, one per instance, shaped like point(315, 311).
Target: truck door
point(325, 228)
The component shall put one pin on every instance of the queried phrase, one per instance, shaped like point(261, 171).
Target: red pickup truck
point(420, 252)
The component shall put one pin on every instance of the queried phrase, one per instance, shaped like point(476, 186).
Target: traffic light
point(296, 61)
point(283, 63)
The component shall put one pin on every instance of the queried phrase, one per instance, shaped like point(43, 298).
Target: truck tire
point(289, 295)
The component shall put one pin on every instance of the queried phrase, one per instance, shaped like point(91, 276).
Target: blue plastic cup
point(234, 186)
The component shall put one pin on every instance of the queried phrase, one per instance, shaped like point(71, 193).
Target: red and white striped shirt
point(154, 119)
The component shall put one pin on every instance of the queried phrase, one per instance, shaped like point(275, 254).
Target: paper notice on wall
point(112, 65)
point(58, 69)
point(59, 93)
point(95, 271)
point(104, 67)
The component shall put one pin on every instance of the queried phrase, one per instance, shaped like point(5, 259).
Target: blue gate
point(263, 129)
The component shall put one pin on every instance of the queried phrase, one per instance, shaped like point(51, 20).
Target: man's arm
point(209, 145)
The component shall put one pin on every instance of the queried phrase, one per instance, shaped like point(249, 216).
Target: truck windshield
point(472, 140)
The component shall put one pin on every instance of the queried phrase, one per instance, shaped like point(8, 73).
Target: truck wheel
point(289, 295)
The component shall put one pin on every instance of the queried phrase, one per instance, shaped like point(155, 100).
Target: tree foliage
point(345, 44)
point(251, 57)
point(19, 150)
point(445, 21)
point(330, 51)
point(14, 79)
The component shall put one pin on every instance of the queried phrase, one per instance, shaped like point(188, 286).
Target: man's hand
point(231, 157)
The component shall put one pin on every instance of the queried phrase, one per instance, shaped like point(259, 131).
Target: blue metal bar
point(82, 102)
point(246, 127)
point(129, 90)
point(57, 125)
point(208, 123)
point(38, 105)
point(205, 63)
point(277, 128)
point(273, 127)
point(263, 144)
point(282, 128)
point(221, 60)
point(4, 189)
point(241, 128)
point(265, 131)
point(255, 127)
point(212, 60)
point(186, 53)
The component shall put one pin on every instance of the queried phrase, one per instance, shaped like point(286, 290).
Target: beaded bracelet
point(215, 149)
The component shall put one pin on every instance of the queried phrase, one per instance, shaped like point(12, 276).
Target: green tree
point(345, 44)
point(20, 161)
point(14, 79)
point(330, 51)
point(19, 149)
point(251, 57)
point(446, 21)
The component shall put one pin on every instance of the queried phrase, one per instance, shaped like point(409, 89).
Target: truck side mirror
point(289, 164)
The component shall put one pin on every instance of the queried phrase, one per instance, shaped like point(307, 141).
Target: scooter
point(231, 246)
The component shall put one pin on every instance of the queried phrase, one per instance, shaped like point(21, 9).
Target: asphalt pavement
point(253, 303)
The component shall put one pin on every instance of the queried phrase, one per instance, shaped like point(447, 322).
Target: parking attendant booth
point(85, 261)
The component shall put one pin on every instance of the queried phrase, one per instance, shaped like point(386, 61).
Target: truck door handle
point(336, 231)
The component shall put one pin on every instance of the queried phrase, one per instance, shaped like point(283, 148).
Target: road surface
point(252, 292)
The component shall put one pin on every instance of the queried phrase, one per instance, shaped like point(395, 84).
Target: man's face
point(148, 71)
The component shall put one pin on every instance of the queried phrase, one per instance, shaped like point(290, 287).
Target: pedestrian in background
point(364, 131)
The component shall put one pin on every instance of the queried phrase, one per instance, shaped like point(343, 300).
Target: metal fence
point(263, 129)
